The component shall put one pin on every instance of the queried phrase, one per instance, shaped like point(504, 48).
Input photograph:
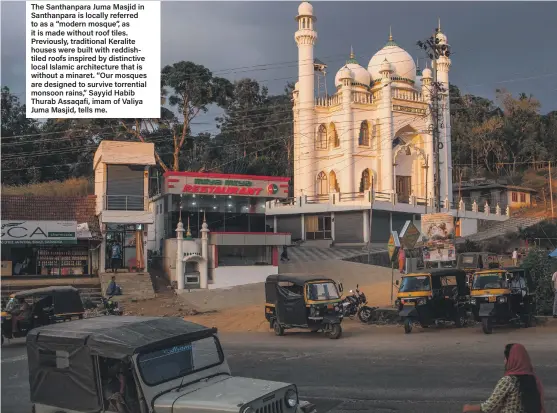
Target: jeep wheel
point(279, 331)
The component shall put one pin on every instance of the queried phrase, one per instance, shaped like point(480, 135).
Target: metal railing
point(124, 203)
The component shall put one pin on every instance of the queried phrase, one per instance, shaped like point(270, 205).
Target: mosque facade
point(365, 153)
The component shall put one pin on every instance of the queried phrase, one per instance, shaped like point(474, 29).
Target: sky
point(507, 45)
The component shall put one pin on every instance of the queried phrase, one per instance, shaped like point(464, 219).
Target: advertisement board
point(409, 235)
point(39, 232)
point(225, 185)
point(438, 237)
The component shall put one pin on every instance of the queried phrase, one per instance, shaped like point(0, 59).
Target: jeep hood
point(220, 394)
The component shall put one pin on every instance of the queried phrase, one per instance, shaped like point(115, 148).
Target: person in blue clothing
point(115, 256)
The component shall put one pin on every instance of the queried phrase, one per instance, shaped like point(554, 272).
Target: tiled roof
point(47, 208)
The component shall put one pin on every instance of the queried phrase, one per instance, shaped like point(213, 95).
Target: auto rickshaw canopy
point(63, 299)
point(438, 274)
point(274, 292)
point(62, 370)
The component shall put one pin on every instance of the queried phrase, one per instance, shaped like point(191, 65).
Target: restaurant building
point(45, 236)
point(229, 210)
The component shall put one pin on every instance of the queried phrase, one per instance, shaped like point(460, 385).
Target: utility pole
point(551, 191)
point(370, 219)
point(434, 49)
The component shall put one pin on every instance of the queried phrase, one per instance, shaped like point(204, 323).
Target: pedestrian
point(113, 288)
point(402, 261)
point(554, 280)
point(284, 255)
point(518, 391)
point(116, 255)
point(515, 257)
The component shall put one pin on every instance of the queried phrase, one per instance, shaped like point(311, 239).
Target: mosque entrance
point(403, 188)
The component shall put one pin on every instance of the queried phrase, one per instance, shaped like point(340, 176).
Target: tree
point(541, 267)
point(19, 137)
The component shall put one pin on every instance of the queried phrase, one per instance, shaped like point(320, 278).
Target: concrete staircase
point(135, 285)
point(499, 228)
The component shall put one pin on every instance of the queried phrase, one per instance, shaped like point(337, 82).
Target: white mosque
point(370, 139)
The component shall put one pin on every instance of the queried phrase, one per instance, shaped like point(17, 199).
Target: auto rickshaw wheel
point(407, 326)
point(335, 331)
point(279, 331)
point(487, 325)
point(460, 320)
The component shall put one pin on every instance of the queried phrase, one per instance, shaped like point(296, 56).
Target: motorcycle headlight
point(291, 398)
point(421, 301)
point(312, 311)
point(502, 299)
point(473, 301)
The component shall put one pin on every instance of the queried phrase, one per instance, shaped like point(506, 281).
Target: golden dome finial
point(351, 52)
point(390, 34)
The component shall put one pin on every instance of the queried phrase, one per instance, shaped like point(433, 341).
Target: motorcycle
point(355, 305)
point(110, 307)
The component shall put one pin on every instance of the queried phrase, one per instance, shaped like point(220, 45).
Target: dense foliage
point(256, 132)
point(541, 268)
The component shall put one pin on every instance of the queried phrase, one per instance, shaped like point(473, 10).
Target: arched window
point(322, 187)
point(334, 140)
point(333, 183)
point(321, 141)
point(365, 182)
point(364, 134)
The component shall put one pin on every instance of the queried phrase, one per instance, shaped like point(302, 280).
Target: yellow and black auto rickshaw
point(46, 306)
point(433, 295)
point(502, 296)
point(471, 262)
point(309, 302)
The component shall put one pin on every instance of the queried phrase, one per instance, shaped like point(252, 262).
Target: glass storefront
point(125, 235)
point(46, 260)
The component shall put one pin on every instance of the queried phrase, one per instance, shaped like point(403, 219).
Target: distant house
point(494, 193)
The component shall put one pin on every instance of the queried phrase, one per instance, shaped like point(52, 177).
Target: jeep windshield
point(172, 362)
point(323, 291)
point(415, 284)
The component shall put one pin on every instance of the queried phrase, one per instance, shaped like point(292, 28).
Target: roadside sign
point(409, 235)
point(393, 246)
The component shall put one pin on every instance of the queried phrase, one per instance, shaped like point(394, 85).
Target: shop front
point(44, 248)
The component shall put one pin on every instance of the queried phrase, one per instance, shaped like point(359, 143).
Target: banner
point(438, 237)
point(39, 232)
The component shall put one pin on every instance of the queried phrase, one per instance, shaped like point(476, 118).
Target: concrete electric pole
point(434, 49)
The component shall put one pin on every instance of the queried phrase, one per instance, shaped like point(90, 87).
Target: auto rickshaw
point(496, 299)
point(303, 301)
point(48, 305)
point(476, 261)
point(433, 295)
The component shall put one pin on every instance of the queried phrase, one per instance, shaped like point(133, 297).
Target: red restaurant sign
point(222, 184)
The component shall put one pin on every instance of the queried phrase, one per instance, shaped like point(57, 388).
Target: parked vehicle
point(470, 262)
point(167, 365)
point(47, 305)
point(433, 295)
point(303, 301)
point(110, 307)
point(355, 305)
point(494, 300)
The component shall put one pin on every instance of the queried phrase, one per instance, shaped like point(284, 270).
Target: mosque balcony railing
point(408, 95)
point(389, 201)
point(329, 101)
point(364, 98)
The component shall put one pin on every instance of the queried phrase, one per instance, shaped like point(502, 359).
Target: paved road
point(373, 370)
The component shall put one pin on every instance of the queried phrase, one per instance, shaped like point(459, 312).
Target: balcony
point(338, 202)
point(124, 203)
point(126, 209)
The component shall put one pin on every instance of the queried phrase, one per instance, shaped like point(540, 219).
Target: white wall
point(225, 277)
point(468, 226)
